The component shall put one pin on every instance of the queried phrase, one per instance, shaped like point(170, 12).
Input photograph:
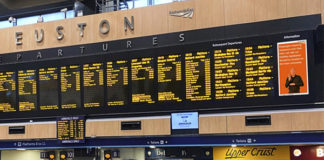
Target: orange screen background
point(292, 55)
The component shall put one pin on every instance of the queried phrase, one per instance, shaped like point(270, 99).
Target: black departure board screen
point(259, 74)
point(27, 90)
point(70, 87)
point(8, 92)
point(169, 78)
point(117, 83)
point(142, 80)
point(228, 73)
point(198, 78)
point(93, 85)
point(48, 88)
point(71, 129)
point(205, 75)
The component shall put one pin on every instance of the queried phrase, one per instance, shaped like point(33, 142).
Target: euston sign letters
point(104, 28)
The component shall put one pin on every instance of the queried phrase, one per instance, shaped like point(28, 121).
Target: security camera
point(64, 10)
point(12, 20)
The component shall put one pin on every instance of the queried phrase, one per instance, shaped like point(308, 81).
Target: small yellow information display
point(142, 76)
point(71, 129)
point(27, 90)
point(252, 153)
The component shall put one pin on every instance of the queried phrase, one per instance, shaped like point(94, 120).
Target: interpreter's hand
point(289, 77)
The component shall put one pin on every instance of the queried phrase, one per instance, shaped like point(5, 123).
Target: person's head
point(293, 72)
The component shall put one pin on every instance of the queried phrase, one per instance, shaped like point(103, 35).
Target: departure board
point(27, 90)
point(142, 80)
point(259, 74)
point(8, 92)
point(204, 73)
point(93, 85)
point(71, 129)
point(169, 78)
point(228, 73)
point(117, 83)
point(198, 83)
point(48, 88)
point(70, 87)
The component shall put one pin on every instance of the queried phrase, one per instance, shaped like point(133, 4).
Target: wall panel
point(4, 133)
point(102, 128)
point(267, 10)
point(155, 23)
point(39, 131)
point(313, 7)
point(303, 7)
point(322, 10)
point(307, 121)
point(280, 122)
point(212, 125)
point(156, 126)
point(239, 11)
point(209, 14)
point(4, 33)
point(156, 20)
point(32, 131)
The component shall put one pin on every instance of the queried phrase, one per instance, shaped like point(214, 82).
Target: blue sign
point(188, 120)
point(170, 141)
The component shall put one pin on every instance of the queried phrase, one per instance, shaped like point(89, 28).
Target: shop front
point(251, 153)
point(307, 152)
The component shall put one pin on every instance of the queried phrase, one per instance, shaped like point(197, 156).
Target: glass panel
point(156, 2)
point(130, 4)
point(138, 3)
point(53, 16)
point(27, 20)
point(5, 24)
point(70, 14)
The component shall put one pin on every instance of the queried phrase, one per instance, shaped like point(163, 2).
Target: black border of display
point(251, 33)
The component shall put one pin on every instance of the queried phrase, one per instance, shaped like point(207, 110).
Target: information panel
point(142, 80)
point(198, 83)
point(27, 90)
point(292, 68)
point(93, 85)
point(169, 78)
point(117, 83)
point(259, 74)
point(71, 129)
point(8, 92)
point(48, 88)
point(188, 120)
point(70, 87)
point(228, 73)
